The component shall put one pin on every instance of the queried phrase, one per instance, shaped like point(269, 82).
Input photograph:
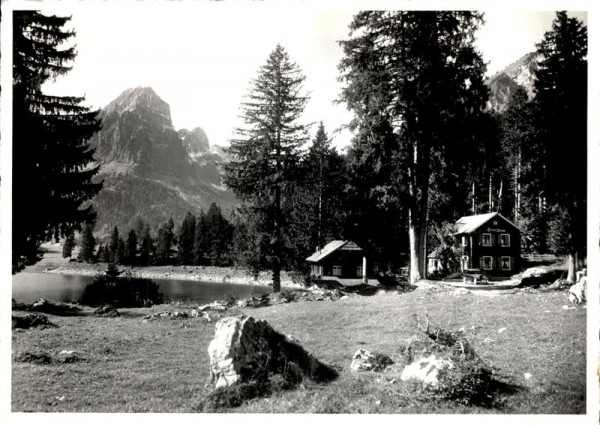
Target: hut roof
point(332, 247)
point(470, 224)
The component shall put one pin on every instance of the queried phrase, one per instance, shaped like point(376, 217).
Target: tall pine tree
point(186, 239)
point(560, 114)
point(266, 153)
point(415, 83)
point(51, 153)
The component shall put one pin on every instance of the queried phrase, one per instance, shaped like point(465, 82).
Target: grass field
point(127, 365)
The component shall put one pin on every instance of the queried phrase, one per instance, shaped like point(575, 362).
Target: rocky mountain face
point(518, 74)
point(149, 169)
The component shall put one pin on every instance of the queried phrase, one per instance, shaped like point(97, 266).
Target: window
point(486, 263)
point(359, 271)
point(337, 270)
point(486, 239)
point(505, 263)
point(504, 239)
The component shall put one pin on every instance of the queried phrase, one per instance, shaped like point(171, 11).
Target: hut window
point(359, 271)
point(504, 239)
point(337, 270)
point(505, 263)
point(486, 263)
point(486, 239)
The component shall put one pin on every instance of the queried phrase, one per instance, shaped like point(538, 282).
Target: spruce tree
point(201, 241)
point(186, 239)
point(146, 247)
point(68, 246)
point(87, 244)
point(131, 248)
point(51, 153)
point(560, 115)
point(219, 233)
point(415, 84)
point(113, 246)
point(266, 152)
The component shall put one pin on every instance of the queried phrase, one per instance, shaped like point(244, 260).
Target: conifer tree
point(68, 246)
point(146, 247)
point(560, 116)
point(201, 241)
point(186, 239)
point(219, 233)
point(266, 152)
point(113, 247)
point(164, 242)
point(120, 257)
point(131, 248)
point(415, 84)
point(51, 153)
point(87, 243)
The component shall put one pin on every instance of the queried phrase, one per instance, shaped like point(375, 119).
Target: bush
point(472, 381)
point(112, 289)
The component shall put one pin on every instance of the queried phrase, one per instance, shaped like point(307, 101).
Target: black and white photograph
point(238, 207)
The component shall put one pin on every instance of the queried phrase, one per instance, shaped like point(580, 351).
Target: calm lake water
point(29, 287)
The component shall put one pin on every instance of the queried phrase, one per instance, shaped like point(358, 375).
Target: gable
point(332, 247)
point(484, 222)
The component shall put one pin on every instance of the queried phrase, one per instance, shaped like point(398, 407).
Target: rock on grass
point(247, 356)
point(31, 320)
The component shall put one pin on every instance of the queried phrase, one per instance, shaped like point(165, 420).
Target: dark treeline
point(203, 240)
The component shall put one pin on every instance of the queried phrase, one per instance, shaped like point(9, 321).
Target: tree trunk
point(277, 242)
point(571, 268)
point(417, 215)
point(413, 238)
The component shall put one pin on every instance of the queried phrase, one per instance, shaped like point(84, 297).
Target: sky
point(201, 59)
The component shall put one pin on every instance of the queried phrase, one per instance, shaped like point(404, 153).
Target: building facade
point(489, 243)
point(339, 260)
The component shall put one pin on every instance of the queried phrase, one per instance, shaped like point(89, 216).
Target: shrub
point(110, 288)
point(472, 381)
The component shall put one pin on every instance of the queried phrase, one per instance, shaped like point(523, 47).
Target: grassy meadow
point(124, 364)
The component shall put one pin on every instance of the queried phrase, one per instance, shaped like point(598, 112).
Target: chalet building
point(489, 243)
point(339, 260)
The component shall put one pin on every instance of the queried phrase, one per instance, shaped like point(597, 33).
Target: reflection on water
point(29, 287)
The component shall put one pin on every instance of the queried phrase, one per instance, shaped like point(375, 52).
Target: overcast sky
point(201, 58)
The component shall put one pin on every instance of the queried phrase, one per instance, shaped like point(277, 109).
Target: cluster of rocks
point(185, 314)
point(364, 360)
point(31, 320)
point(441, 362)
point(106, 311)
point(41, 357)
point(48, 307)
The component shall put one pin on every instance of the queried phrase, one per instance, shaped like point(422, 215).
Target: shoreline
point(227, 275)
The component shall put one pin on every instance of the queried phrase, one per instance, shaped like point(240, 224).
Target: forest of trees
point(203, 240)
point(426, 150)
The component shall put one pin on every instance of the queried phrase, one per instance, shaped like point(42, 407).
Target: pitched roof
point(469, 224)
point(331, 247)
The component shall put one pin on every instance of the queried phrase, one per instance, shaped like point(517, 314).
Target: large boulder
point(246, 349)
point(427, 370)
point(577, 292)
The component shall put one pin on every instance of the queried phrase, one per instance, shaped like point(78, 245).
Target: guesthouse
point(339, 260)
point(488, 243)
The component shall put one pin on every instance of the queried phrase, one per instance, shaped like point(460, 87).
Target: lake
point(30, 287)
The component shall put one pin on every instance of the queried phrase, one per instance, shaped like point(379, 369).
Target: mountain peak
point(520, 73)
point(139, 97)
